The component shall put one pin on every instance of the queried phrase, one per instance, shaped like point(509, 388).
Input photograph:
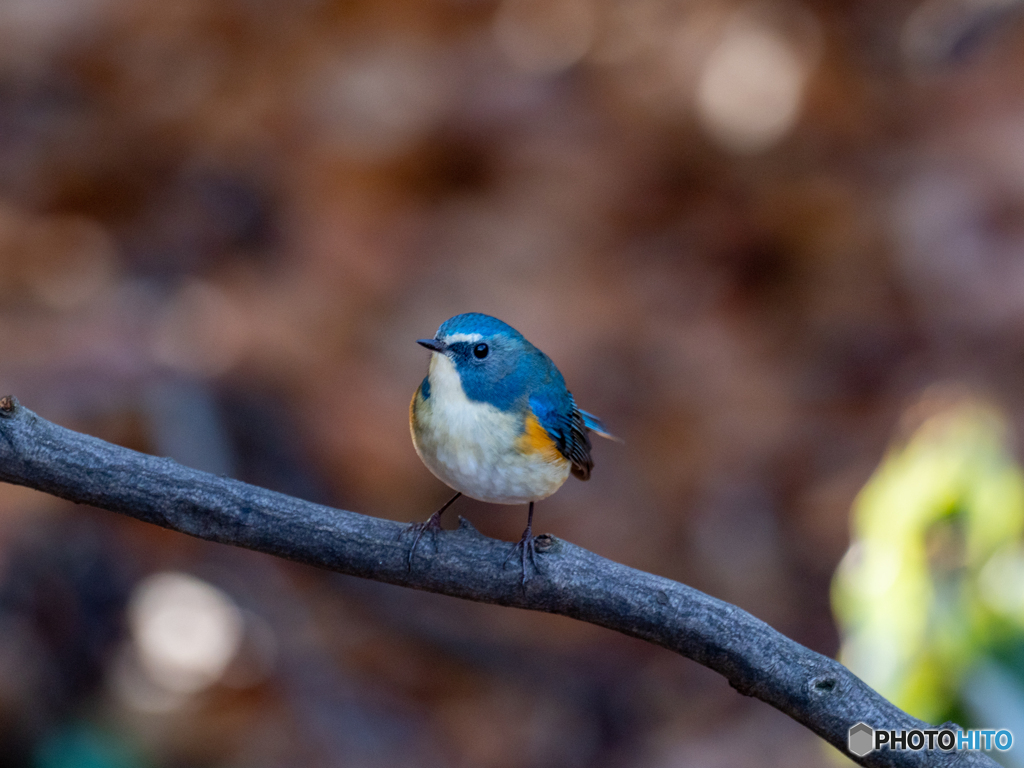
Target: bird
point(494, 420)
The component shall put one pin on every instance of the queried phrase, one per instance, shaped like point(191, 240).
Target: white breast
point(471, 446)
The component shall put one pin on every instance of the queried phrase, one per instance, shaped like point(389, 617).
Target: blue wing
point(558, 414)
point(555, 409)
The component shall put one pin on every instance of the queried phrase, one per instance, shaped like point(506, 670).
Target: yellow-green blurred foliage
point(933, 582)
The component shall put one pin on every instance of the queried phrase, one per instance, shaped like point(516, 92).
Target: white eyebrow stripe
point(454, 338)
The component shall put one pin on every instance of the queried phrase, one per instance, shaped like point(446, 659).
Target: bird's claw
point(432, 524)
point(528, 545)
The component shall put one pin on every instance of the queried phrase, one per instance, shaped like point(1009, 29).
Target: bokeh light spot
point(750, 90)
point(185, 630)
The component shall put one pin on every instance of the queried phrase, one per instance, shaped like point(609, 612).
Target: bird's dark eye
point(480, 350)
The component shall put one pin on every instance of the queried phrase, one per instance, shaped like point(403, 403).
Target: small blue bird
point(493, 420)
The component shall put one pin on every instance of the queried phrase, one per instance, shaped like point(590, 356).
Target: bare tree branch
point(755, 659)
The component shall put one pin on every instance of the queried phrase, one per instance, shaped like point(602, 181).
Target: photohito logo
point(863, 739)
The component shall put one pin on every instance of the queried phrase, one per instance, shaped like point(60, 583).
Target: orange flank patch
point(536, 440)
point(412, 408)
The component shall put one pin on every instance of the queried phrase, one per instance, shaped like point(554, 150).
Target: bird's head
point(491, 359)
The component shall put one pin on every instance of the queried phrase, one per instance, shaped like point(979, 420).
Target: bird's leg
point(432, 523)
point(527, 544)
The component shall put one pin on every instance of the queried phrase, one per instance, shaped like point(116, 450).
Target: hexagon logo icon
point(861, 739)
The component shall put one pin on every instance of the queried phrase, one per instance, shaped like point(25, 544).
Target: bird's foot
point(432, 524)
point(528, 546)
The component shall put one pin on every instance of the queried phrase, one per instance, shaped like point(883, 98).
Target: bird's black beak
point(432, 344)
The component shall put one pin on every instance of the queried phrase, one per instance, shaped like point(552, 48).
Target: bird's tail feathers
point(594, 424)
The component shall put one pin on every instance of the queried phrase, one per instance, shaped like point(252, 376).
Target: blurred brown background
point(750, 235)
